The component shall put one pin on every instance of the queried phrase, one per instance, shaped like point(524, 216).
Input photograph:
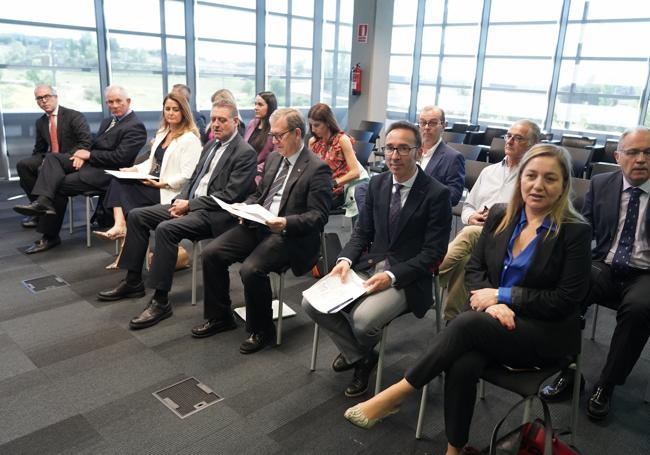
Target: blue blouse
point(514, 269)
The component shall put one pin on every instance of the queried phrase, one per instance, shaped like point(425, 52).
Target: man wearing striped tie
point(296, 188)
point(117, 143)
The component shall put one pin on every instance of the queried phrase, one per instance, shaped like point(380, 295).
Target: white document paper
point(131, 175)
point(252, 212)
point(330, 295)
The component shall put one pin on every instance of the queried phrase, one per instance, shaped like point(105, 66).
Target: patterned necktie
point(204, 169)
point(395, 207)
point(621, 261)
point(112, 124)
point(277, 184)
point(54, 140)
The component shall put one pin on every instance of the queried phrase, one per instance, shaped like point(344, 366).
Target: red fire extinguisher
point(356, 79)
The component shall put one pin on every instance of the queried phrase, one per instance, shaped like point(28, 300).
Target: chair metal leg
point(195, 260)
point(423, 404)
point(593, 323)
point(280, 308)
point(88, 208)
point(314, 348)
point(70, 214)
point(380, 362)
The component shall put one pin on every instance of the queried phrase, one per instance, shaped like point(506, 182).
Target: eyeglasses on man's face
point(431, 123)
point(279, 136)
point(44, 98)
point(515, 137)
point(402, 150)
point(635, 153)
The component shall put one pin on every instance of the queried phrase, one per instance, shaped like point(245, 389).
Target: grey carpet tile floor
point(75, 380)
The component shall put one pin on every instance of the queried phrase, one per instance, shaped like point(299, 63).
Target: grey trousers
point(357, 329)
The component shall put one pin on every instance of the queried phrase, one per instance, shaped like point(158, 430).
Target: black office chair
point(362, 150)
point(361, 135)
point(600, 168)
point(577, 141)
point(485, 137)
point(461, 127)
point(580, 189)
point(453, 137)
point(497, 150)
point(375, 127)
point(470, 152)
point(581, 159)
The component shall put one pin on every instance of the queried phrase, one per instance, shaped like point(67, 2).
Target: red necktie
point(54, 141)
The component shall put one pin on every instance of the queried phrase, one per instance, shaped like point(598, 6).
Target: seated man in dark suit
point(226, 170)
point(400, 237)
point(59, 129)
point(438, 160)
point(617, 208)
point(118, 141)
point(296, 186)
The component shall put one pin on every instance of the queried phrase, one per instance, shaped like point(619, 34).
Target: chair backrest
point(600, 168)
point(452, 136)
point(460, 127)
point(497, 150)
point(610, 147)
point(546, 137)
point(472, 171)
point(581, 159)
point(490, 133)
point(573, 140)
point(470, 152)
point(580, 189)
point(360, 135)
point(375, 127)
point(362, 150)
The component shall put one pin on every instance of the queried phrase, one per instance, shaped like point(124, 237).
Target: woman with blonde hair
point(528, 276)
point(174, 155)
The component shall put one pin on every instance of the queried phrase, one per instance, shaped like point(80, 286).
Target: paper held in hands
point(330, 295)
point(131, 175)
point(252, 212)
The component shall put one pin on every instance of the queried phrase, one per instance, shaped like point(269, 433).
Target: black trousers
point(169, 232)
point(463, 349)
point(58, 179)
point(630, 298)
point(260, 253)
point(130, 194)
point(27, 170)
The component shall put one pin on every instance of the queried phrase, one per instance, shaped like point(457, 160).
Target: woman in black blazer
point(528, 275)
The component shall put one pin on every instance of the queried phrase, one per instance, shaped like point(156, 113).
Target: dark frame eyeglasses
point(402, 150)
point(43, 98)
point(279, 136)
point(515, 137)
point(430, 123)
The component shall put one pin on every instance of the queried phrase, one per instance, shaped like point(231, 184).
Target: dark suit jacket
point(305, 204)
point(601, 208)
point(420, 241)
point(232, 180)
point(113, 149)
point(447, 165)
point(72, 132)
point(554, 287)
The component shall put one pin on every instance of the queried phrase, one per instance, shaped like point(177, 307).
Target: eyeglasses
point(634, 153)
point(430, 123)
point(402, 150)
point(43, 98)
point(515, 137)
point(278, 136)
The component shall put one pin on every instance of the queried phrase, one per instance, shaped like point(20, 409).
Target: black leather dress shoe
point(42, 245)
point(340, 364)
point(599, 403)
point(152, 315)
point(362, 370)
point(257, 341)
point(213, 326)
point(122, 291)
point(35, 208)
point(561, 388)
point(29, 222)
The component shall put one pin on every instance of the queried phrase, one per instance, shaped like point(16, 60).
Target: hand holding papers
point(252, 212)
point(131, 175)
point(330, 294)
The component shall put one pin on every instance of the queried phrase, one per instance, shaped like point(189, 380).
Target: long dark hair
point(260, 139)
point(321, 112)
point(187, 122)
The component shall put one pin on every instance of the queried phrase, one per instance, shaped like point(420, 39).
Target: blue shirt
point(514, 269)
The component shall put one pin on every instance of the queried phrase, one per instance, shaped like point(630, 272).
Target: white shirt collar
point(410, 181)
point(645, 186)
point(431, 151)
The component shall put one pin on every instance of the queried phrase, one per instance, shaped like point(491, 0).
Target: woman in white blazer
point(174, 154)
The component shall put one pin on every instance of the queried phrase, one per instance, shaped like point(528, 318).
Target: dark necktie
point(204, 169)
point(277, 184)
point(621, 261)
point(395, 207)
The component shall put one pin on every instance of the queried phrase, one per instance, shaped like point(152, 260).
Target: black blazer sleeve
point(557, 280)
point(42, 145)
point(119, 147)
point(75, 132)
point(456, 182)
point(319, 200)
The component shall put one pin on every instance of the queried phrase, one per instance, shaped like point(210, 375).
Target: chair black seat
point(523, 383)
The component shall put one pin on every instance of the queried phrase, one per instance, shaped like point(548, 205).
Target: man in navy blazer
point(617, 208)
point(116, 145)
point(72, 133)
point(401, 236)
